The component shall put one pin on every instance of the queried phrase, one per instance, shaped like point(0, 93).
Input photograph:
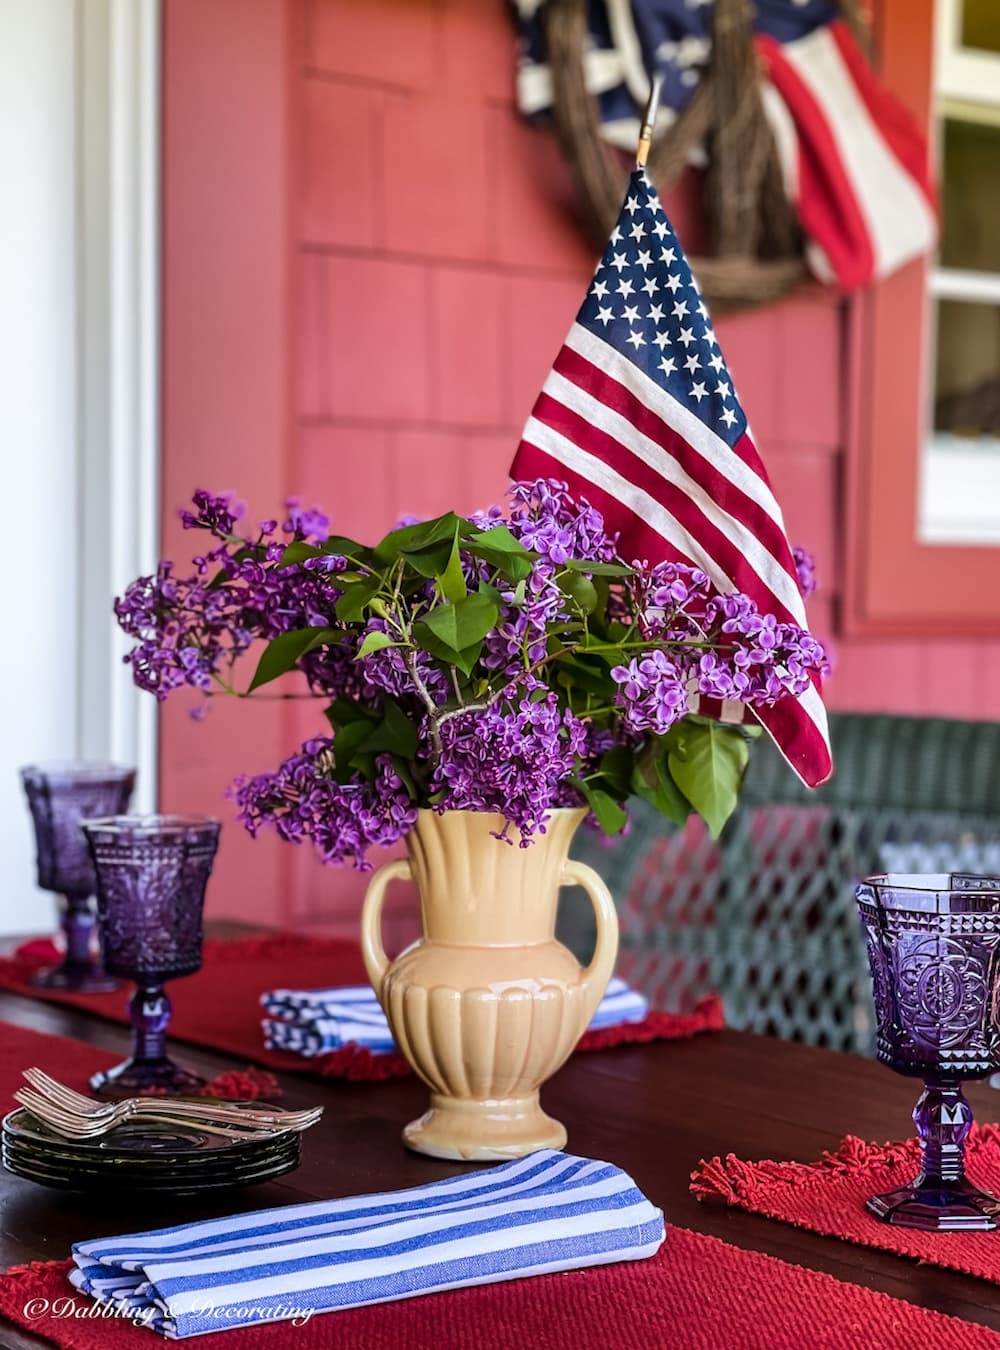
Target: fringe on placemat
point(736, 1181)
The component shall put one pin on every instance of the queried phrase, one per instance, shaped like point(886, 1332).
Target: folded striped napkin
point(313, 1022)
point(543, 1213)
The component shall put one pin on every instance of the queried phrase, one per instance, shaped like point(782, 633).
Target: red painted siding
point(414, 292)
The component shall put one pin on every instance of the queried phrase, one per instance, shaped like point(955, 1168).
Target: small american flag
point(639, 415)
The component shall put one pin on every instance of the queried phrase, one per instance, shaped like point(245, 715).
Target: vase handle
point(375, 959)
point(602, 964)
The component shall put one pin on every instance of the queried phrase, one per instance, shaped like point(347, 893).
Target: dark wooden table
point(653, 1109)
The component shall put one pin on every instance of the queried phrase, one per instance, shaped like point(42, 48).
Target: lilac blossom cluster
point(511, 757)
point(302, 801)
point(722, 648)
point(545, 519)
point(189, 630)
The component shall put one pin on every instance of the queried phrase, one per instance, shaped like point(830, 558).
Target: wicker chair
point(765, 915)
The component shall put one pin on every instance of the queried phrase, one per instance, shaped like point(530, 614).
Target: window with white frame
point(960, 481)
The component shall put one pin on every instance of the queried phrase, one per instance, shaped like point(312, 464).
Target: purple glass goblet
point(934, 955)
point(59, 796)
point(151, 878)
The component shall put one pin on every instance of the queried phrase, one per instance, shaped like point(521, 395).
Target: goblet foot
point(135, 1076)
point(467, 1130)
point(75, 978)
point(938, 1206)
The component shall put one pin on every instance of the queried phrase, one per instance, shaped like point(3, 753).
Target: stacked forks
point(75, 1116)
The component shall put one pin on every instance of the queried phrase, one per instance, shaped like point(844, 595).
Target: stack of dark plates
point(143, 1155)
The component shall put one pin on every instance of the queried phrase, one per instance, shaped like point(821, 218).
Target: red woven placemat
point(828, 1197)
point(697, 1293)
point(219, 1007)
point(72, 1062)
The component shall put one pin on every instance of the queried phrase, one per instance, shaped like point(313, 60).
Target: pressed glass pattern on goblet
point(934, 954)
point(151, 878)
point(59, 797)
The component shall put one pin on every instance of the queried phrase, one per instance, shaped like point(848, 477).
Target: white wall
point(38, 423)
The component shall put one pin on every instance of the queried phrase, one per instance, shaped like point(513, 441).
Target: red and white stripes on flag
point(853, 159)
point(674, 490)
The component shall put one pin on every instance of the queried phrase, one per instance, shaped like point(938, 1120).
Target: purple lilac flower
point(217, 512)
point(520, 636)
point(669, 599)
point(759, 660)
point(302, 801)
point(306, 522)
point(545, 518)
point(512, 759)
point(805, 568)
point(188, 629)
point(653, 691)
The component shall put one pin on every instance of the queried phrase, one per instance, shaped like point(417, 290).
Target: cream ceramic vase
point(487, 1004)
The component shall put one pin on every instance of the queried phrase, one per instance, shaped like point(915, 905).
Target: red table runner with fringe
point(696, 1293)
point(73, 1062)
point(219, 1007)
point(828, 1197)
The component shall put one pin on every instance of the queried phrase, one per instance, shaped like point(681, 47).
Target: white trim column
point(118, 62)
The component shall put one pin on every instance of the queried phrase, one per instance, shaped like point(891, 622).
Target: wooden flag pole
point(648, 122)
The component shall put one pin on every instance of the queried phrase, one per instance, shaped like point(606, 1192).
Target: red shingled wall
point(421, 245)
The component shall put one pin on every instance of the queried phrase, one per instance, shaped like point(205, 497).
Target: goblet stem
point(149, 1011)
point(78, 926)
point(943, 1119)
point(149, 1067)
point(79, 970)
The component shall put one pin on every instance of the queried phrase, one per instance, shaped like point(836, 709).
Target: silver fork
point(77, 1127)
point(77, 1104)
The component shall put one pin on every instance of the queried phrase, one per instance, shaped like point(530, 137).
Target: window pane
point(970, 196)
point(981, 25)
point(967, 384)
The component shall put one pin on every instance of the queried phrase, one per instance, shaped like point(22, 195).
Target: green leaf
point(346, 745)
point(600, 569)
point(345, 710)
point(611, 816)
point(298, 552)
point(375, 642)
point(572, 672)
point(708, 765)
point(451, 582)
point(607, 652)
point(501, 550)
point(342, 547)
point(616, 766)
point(282, 652)
point(405, 776)
point(395, 734)
point(581, 591)
point(500, 539)
point(464, 660)
point(461, 624)
point(651, 780)
point(351, 606)
point(429, 561)
point(413, 538)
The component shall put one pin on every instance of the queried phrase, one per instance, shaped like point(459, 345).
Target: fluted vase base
point(483, 1131)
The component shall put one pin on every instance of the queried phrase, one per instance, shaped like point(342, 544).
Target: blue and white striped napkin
point(540, 1214)
point(313, 1022)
